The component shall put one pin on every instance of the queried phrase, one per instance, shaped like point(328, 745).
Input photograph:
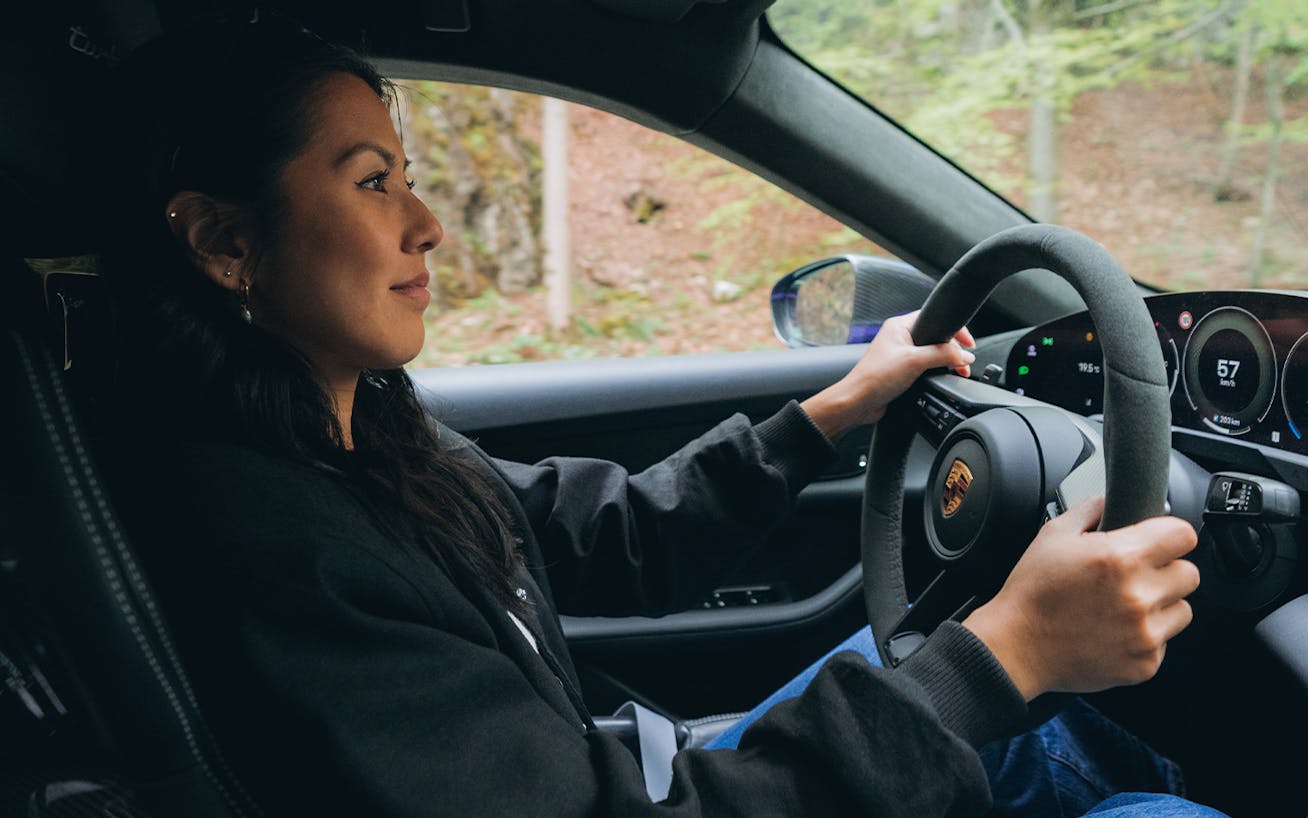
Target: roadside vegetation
point(1174, 131)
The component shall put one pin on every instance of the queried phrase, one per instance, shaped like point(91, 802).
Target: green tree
point(1282, 52)
point(944, 67)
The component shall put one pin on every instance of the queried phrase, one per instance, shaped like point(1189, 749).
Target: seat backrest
point(97, 717)
point(82, 592)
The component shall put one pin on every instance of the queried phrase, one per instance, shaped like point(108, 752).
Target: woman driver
point(368, 604)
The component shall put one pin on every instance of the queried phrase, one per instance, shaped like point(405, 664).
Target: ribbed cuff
point(970, 689)
point(794, 445)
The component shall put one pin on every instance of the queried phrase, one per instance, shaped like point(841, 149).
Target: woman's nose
point(427, 231)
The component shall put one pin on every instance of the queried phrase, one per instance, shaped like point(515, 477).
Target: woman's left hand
point(890, 365)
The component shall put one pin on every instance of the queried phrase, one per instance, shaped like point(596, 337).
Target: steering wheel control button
point(1230, 370)
point(939, 416)
point(1052, 510)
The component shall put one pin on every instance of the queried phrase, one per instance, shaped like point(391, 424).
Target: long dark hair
point(220, 110)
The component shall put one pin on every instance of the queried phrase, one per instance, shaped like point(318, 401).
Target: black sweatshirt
point(345, 674)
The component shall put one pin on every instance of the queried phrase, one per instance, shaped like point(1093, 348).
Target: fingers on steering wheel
point(1173, 619)
point(1180, 578)
point(964, 338)
point(958, 347)
point(953, 354)
point(1169, 537)
point(1084, 515)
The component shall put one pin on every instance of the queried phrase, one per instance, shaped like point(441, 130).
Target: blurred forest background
point(1173, 131)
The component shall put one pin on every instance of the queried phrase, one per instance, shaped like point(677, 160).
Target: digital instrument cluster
point(1236, 363)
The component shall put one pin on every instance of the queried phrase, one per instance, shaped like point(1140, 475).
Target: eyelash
point(380, 177)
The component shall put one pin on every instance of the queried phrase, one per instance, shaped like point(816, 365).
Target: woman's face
point(345, 282)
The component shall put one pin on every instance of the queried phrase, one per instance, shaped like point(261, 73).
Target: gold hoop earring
point(246, 315)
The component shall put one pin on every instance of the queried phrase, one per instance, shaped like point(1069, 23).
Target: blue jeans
point(1077, 763)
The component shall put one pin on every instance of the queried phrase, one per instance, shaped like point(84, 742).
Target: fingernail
point(968, 357)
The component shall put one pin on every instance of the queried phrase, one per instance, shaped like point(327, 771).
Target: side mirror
point(845, 299)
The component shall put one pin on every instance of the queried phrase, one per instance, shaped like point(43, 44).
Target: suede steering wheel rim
point(1133, 458)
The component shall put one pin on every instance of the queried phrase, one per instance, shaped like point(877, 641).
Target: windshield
point(1175, 132)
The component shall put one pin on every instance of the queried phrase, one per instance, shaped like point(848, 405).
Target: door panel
point(725, 656)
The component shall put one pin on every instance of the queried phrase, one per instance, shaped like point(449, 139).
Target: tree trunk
point(1043, 146)
point(1224, 190)
point(1274, 87)
point(556, 226)
point(951, 20)
point(509, 216)
point(1006, 21)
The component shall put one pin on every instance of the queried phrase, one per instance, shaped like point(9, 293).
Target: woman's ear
point(214, 234)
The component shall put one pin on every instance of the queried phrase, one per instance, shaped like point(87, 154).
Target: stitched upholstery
point(95, 600)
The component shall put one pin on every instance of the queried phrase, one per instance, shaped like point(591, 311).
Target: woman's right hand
point(1085, 610)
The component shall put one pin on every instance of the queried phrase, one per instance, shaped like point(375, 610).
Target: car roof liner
point(667, 64)
point(663, 73)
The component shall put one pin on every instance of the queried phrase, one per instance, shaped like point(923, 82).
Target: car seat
point(97, 717)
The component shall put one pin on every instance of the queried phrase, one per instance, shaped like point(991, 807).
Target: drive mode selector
point(1230, 370)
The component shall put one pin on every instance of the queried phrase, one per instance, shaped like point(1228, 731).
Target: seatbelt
point(658, 744)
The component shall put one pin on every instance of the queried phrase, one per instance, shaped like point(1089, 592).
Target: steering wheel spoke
point(945, 400)
point(951, 595)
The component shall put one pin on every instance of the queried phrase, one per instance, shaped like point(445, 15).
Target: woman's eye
point(376, 182)
point(410, 182)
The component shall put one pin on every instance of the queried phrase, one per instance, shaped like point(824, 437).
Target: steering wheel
point(1005, 463)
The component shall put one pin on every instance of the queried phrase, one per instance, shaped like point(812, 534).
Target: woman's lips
point(415, 289)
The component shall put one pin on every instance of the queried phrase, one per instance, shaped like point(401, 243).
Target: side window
point(670, 249)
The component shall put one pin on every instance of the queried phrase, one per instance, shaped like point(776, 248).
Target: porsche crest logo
point(960, 477)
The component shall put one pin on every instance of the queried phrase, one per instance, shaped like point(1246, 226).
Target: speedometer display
point(1241, 359)
point(1230, 370)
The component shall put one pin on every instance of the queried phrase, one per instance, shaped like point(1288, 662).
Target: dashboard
point(1236, 363)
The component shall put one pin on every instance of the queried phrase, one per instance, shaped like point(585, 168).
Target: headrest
point(52, 77)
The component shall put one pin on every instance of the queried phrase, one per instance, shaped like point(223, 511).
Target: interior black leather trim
point(122, 652)
point(645, 631)
point(481, 398)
